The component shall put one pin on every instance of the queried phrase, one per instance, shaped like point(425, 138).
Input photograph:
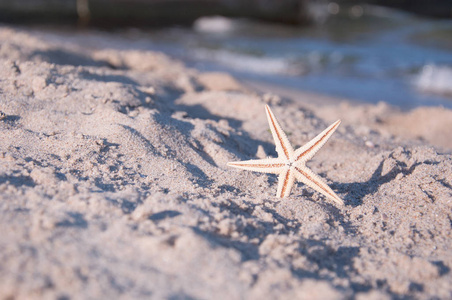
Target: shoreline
point(422, 125)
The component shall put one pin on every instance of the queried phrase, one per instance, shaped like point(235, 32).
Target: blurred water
point(364, 53)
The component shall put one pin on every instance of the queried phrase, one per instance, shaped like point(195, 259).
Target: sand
point(114, 184)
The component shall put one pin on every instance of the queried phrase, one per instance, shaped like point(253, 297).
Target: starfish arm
point(271, 165)
point(285, 182)
point(282, 143)
point(307, 151)
point(307, 177)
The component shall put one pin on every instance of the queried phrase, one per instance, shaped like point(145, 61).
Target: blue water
point(381, 55)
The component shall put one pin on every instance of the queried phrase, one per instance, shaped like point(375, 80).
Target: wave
point(250, 64)
point(435, 79)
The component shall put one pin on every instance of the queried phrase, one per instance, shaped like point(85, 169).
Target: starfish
point(291, 164)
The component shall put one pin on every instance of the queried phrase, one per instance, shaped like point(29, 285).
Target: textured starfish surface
point(291, 164)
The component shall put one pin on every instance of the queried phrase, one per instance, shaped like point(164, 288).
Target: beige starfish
point(290, 164)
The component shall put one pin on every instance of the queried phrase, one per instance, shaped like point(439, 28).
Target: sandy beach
point(114, 183)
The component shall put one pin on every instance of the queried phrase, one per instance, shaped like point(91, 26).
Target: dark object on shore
point(109, 13)
point(430, 8)
point(117, 13)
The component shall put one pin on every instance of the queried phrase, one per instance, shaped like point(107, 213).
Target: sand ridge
point(113, 183)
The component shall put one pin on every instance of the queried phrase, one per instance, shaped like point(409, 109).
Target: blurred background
point(396, 51)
